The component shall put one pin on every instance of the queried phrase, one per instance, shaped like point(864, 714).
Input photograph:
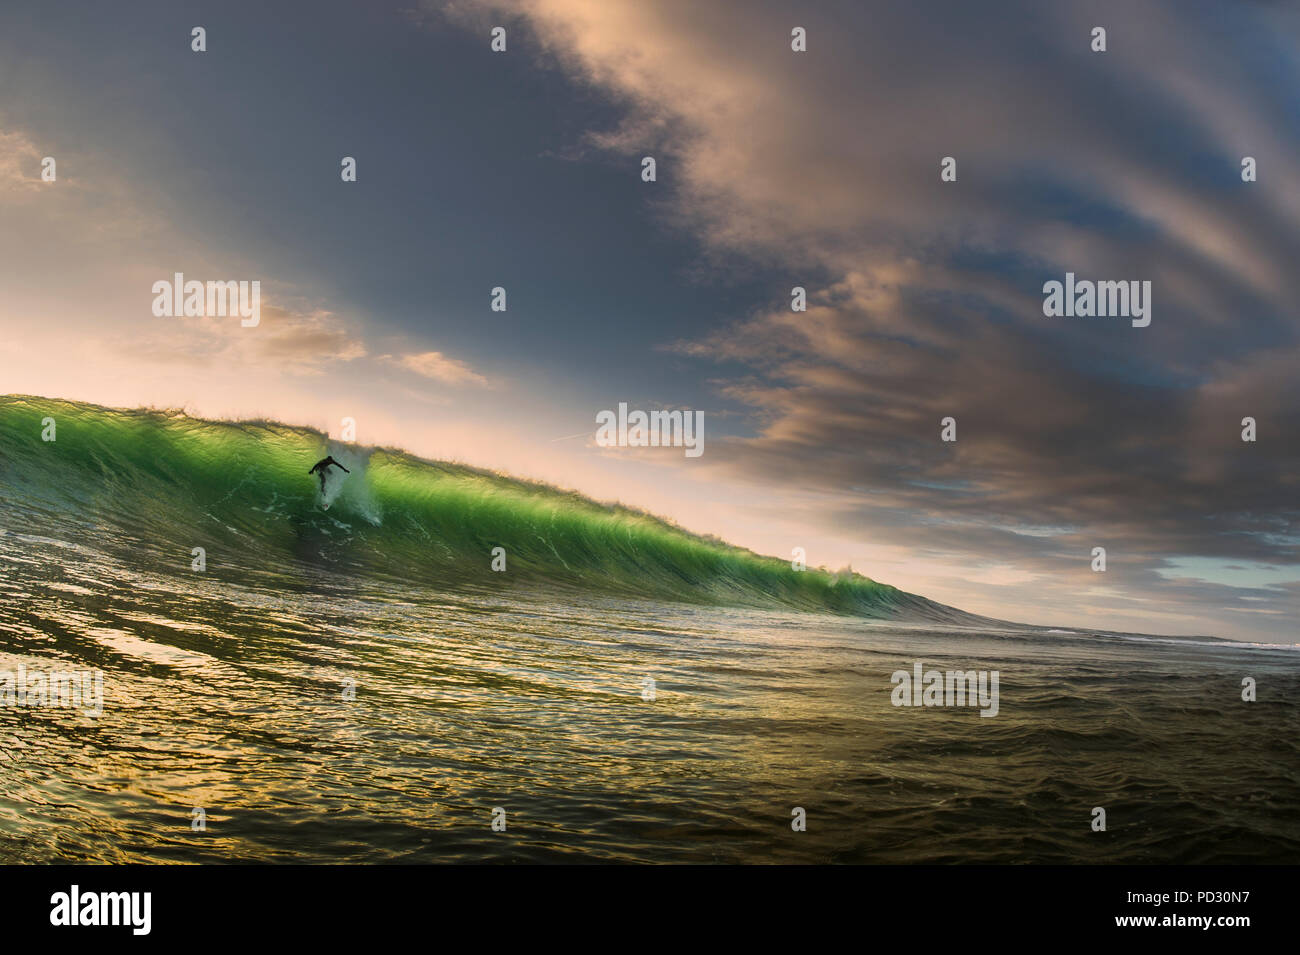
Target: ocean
point(360, 686)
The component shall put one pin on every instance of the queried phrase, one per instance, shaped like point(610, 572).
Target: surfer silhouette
point(322, 467)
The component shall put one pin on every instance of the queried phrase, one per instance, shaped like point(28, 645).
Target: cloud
point(285, 342)
point(925, 296)
point(20, 165)
point(436, 365)
point(101, 240)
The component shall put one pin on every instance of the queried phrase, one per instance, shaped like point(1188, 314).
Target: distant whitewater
point(167, 483)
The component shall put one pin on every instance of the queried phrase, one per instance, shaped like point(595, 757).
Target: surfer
point(322, 467)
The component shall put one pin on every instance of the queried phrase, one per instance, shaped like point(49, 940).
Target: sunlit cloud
point(924, 297)
point(439, 367)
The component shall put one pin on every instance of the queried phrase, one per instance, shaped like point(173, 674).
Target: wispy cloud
point(285, 342)
point(925, 296)
point(20, 165)
point(436, 365)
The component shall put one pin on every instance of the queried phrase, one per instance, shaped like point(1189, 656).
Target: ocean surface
point(358, 685)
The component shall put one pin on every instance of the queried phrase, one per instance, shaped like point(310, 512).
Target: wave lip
point(170, 482)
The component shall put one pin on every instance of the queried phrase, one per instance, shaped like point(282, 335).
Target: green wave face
point(161, 483)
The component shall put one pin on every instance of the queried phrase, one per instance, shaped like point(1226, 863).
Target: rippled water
point(224, 690)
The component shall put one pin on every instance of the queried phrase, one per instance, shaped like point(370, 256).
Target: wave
point(161, 483)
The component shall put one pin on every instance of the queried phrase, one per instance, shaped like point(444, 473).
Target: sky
point(522, 169)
